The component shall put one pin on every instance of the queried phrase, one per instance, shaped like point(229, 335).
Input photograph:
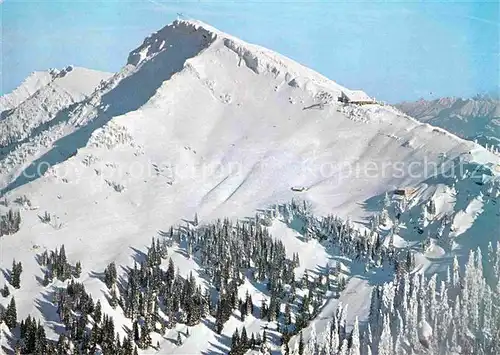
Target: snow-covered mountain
point(201, 123)
point(477, 118)
point(39, 108)
point(41, 98)
point(30, 85)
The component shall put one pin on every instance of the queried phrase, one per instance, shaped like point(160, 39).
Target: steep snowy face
point(475, 118)
point(172, 38)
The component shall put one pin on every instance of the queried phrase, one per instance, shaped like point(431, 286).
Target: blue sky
point(396, 50)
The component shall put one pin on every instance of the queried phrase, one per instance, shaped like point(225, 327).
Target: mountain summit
point(190, 88)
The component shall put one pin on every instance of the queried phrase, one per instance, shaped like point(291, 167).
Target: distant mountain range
point(476, 118)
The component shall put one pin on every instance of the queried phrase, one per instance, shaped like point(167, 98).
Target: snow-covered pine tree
point(10, 316)
point(355, 341)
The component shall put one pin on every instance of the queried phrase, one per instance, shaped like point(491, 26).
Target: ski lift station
point(404, 192)
point(356, 97)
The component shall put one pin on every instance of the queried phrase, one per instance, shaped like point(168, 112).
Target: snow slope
point(198, 121)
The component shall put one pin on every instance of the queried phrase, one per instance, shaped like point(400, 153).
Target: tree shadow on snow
point(8, 339)
point(6, 274)
point(296, 225)
point(222, 346)
point(97, 275)
point(139, 256)
point(49, 312)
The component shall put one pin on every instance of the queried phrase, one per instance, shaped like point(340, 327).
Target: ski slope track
point(198, 121)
